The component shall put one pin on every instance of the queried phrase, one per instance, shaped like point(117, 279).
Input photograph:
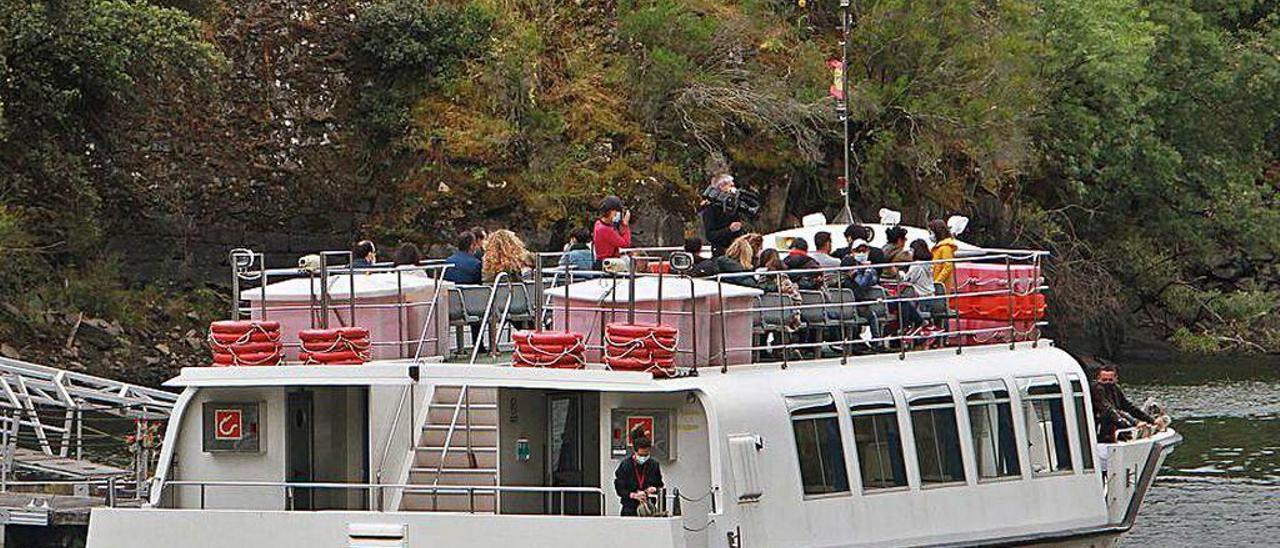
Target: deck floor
point(37, 461)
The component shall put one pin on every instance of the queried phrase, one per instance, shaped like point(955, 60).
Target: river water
point(1222, 486)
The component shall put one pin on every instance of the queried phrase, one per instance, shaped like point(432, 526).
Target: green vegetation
point(1135, 139)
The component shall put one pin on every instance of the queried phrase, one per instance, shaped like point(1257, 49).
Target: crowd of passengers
point(736, 256)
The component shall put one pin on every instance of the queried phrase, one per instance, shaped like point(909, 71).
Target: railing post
point(844, 333)
point(724, 335)
point(786, 320)
point(111, 492)
point(324, 291)
point(1008, 272)
point(202, 496)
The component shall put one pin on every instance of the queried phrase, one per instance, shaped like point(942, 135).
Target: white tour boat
point(780, 422)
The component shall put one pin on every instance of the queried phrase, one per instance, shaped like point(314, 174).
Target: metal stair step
point(457, 429)
point(474, 406)
point(440, 448)
point(452, 470)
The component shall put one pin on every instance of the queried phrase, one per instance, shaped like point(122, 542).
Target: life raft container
point(557, 349)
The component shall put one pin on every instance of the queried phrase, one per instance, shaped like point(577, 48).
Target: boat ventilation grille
point(376, 535)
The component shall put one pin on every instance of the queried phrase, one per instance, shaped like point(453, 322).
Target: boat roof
point(917, 367)
point(367, 285)
point(646, 289)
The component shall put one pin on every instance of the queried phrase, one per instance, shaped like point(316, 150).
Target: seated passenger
point(860, 255)
point(505, 252)
point(693, 246)
point(407, 255)
point(1112, 411)
point(464, 266)
point(822, 241)
point(919, 277)
point(757, 243)
point(895, 251)
point(798, 259)
point(737, 258)
point(363, 254)
point(770, 261)
point(860, 232)
point(578, 255)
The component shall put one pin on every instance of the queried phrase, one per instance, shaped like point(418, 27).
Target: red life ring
point(333, 357)
point(550, 349)
point(634, 364)
point(244, 349)
point(563, 362)
point(336, 345)
point(330, 335)
point(246, 337)
point(641, 330)
point(243, 326)
point(543, 338)
point(257, 358)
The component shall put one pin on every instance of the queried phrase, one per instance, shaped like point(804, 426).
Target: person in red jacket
point(612, 231)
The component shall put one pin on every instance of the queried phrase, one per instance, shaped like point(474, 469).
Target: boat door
point(300, 446)
point(572, 455)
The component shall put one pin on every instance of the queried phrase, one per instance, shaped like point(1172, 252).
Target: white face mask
point(617, 217)
point(641, 459)
point(860, 257)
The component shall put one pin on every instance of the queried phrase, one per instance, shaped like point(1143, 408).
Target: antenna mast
point(842, 108)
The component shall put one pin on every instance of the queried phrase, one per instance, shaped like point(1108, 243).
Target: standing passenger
point(612, 230)
point(637, 476)
point(944, 248)
point(721, 225)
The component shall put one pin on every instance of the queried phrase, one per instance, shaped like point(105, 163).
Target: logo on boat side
point(228, 424)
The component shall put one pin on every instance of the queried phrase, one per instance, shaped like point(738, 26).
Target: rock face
point(262, 159)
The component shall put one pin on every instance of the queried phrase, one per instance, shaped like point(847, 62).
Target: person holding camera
point(721, 220)
point(612, 230)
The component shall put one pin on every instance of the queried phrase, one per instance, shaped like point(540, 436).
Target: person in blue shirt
point(579, 255)
point(466, 265)
point(363, 254)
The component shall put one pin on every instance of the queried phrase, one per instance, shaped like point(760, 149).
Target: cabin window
point(818, 444)
point(933, 422)
point(1046, 424)
point(991, 426)
point(876, 439)
point(1083, 432)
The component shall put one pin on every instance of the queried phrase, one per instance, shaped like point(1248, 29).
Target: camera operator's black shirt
point(715, 227)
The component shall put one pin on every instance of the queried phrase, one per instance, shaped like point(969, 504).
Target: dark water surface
point(1222, 486)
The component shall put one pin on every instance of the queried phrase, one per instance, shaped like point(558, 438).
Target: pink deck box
point(687, 304)
point(378, 299)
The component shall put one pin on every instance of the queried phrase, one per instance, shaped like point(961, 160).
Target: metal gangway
point(46, 409)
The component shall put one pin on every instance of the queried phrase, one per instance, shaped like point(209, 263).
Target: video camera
point(742, 201)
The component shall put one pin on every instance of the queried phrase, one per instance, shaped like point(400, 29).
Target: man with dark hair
point(798, 259)
point(466, 265)
point(364, 254)
point(578, 254)
point(822, 241)
point(1112, 411)
point(693, 246)
point(637, 476)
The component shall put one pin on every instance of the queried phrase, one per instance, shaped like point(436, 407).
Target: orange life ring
point(244, 349)
point(329, 335)
point(245, 337)
point(333, 357)
point(641, 330)
point(257, 358)
point(335, 345)
point(242, 326)
point(543, 338)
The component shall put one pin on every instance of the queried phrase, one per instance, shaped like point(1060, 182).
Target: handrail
point(395, 423)
point(448, 439)
point(406, 487)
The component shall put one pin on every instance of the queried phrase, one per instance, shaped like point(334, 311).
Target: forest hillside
point(141, 140)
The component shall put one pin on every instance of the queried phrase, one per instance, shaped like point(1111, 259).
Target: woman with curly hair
point(504, 252)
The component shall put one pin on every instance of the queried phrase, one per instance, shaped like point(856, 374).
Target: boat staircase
point(455, 460)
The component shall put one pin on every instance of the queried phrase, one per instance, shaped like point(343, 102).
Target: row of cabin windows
point(932, 410)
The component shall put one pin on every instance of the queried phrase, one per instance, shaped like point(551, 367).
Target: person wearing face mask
point(860, 255)
point(720, 225)
point(638, 476)
point(612, 230)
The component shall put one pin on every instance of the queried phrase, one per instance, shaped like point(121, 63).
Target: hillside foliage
point(1135, 139)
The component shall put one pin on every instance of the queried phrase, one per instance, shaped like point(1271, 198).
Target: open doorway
point(550, 439)
point(326, 441)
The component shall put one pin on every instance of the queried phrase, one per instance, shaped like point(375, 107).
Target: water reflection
point(1222, 486)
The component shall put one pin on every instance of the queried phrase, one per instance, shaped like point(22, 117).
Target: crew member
point(637, 477)
point(720, 225)
point(612, 230)
point(1112, 410)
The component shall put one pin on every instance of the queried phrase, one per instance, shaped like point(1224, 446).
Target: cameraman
point(721, 222)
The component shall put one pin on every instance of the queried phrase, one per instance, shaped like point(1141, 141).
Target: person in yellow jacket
point(945, 248)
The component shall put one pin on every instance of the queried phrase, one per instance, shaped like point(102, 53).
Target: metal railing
point(288, 490)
